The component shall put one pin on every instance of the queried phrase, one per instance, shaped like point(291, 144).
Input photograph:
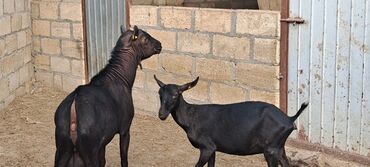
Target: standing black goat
point(244, 128)
point(88, 118)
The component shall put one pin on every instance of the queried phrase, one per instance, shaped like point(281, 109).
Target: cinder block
point(16, 22)
point(145, 100)
point(139, 79)
point(35, 9)
point(19, 5)
point(78, 68)
point(13, 81)
point(214, 69)
point(269, 97)
point(77, 31)
point(194, 42)
point(1, 12)
point(5, 25)
point(178, 64)
point(50, 46)
point(11, 43)
point(71, 11)
point(42, 62)
point(224, 94)
point(49, 10)
point(142, 2)
point(28, 36)
point(36, 44)
point(2, 48)
point(257, 23)
point(58, 81)
point(60, 29)
point(9, 6)
point(266, 50)
point(24, 73)
point(22, 39)
point(231, 47)
point(199, 92)
point(4, 87)
point(26, 54)
point(26, 21)
point(167, 38)
point(41, 27)
point(45, 77)
point(213, 20)
point(258, 75)
point(174, 17)
point(143, 15)
point(60, 64)
point(150, 63)
point(70, 83)
point(72, 49)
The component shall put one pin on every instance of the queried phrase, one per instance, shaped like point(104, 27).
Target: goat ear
point(123, 29)
point(136, 33)
point(160, 83)
point(188, 85)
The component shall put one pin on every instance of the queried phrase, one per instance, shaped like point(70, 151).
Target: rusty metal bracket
point(294, 21)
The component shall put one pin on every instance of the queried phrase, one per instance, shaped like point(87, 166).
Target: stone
point(194, 42)
point(5, 25)
point(224, 94)
point(41, 27)
point(167, 38)
point(70, 83)
point(258, 23)
point(60, 29)
point(231, 47)
point(143, 15)
point(22, 39)
point(212, 69)
point(72, 49)
point(213, 20)
point(175, 17)
point(178, 64)
point(269, 97)
point(266, 50)
point(48, 10)
point(71, 11)
point(60, 64)
point(50, 46)
point(258, 75)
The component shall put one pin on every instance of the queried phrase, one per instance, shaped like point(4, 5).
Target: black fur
point(104, 107)
point(244, 128)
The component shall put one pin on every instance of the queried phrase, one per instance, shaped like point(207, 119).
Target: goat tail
point(303, 106)
point(73, 124)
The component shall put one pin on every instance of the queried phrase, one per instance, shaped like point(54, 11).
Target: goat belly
point(243, 147)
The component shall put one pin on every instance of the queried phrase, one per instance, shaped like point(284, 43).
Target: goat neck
point(120, 70)
point(183, 113)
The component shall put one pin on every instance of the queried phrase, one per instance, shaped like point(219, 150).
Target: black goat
point(88, 118)
point(244, 128)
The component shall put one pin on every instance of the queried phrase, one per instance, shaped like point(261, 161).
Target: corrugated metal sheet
point(103, 21)
point(329, 66)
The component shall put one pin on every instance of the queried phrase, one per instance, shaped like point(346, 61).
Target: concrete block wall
point(16, 69)
point(58, 49)
point(225, 4)
point(235, 53)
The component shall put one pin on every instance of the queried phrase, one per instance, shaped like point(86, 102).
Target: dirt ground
point(27, 139)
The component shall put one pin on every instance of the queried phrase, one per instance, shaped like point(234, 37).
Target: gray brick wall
point(16, 69)
point(235, 53)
